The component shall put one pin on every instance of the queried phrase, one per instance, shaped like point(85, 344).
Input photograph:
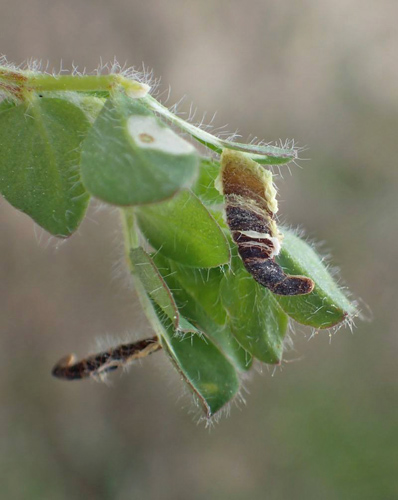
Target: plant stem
point(265, 154)
point(22, 84)
point(108, 83)
point(18, 83)
point(129, 231)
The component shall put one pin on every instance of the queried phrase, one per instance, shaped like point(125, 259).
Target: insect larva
point(98, 364)
point(250, 205)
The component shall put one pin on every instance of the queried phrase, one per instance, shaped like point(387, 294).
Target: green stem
point(108, 83)
point(20, 83)
point(265, 154)
point(129, 231)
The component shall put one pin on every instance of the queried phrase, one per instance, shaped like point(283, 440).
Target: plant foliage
point(65, 139)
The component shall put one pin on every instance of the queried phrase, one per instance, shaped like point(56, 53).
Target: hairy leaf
point(202, 365)
point(254, 317)
point(182, 229)
point(204, 186)
point(39, 158)
point(146, 271)
point(327, 305)
point(131, 158)
point(6, 104)
point(197, 295)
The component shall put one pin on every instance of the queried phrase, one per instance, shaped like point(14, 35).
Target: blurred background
point(323, 426)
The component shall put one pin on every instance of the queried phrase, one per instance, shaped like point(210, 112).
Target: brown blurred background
point(323, 427)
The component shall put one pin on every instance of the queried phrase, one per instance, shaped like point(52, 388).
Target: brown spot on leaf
point(147, 138)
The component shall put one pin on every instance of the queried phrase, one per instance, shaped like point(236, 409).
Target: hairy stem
point(265, 154)
point(19, 83)
point(129, 231)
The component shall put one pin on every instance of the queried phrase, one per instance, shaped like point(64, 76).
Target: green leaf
point(146, 271)
point(197, 295)
point(327, 305)
point(89, 104)
point(150, 280)
point(203, 366)
point(131, 158)
point(182, 229)
point(254, 317)
point(39, 157)
point(6, 104)
point(204, 186)
point(204, 286)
